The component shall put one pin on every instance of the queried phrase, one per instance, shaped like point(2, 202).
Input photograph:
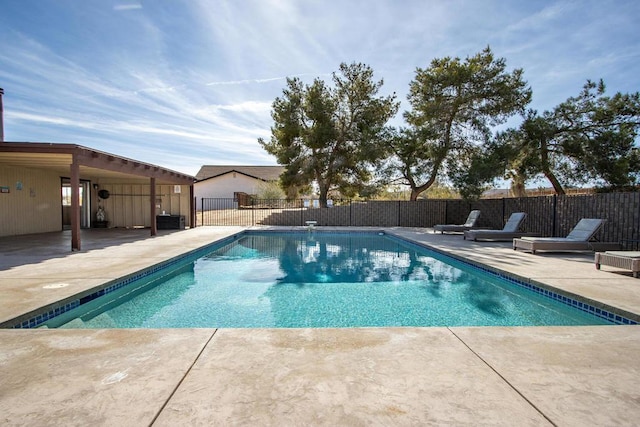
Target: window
point(66, 196)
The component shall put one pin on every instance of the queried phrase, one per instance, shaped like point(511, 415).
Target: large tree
point(454, 105)
point(590, 137)
point(330, 135)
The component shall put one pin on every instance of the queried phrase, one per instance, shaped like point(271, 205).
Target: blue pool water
point(321, 280)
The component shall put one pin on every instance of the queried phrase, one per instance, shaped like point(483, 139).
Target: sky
point(186, 83)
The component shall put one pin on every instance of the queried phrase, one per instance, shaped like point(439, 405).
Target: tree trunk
point(416, 190)
point(557, 187)
point(544, 156)
point(324, 191)
point(518, 186)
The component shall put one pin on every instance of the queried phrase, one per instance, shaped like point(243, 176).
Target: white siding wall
point(225, 185)
point(37, 208)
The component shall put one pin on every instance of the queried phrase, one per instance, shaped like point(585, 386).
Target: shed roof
point(264, 173)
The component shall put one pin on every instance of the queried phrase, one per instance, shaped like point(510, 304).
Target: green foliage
point(393, 193)
point(270, 190)
point(330, 135)
point(436, 191)
point(336, 136)
point(597, 133)
point(591, 137)
point(440, 191)
point(476, 171)
point(454, 104)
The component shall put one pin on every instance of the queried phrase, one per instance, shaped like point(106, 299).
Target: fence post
point(446, 211)
point(253, 209)
point(555, 212)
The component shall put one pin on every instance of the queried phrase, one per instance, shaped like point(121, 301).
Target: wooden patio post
point(152, 200)
point(192, 208)
point(75, 203)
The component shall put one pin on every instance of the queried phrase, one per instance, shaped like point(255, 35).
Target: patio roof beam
point(132, 168)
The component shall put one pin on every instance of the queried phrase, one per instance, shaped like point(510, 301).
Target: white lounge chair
point(470, 223)
point(508, 232)
point(579, 239)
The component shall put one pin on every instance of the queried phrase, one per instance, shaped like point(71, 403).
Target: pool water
point(320, 280)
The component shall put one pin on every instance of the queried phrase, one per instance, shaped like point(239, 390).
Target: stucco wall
point(36, 208)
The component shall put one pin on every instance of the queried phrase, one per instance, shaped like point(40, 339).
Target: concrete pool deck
point(561, 376)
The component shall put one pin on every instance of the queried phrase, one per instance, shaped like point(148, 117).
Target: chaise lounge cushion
point(577, 240)
point(508, 232)
point(470, 223)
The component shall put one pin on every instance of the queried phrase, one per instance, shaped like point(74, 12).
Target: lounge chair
point(628, 260)
point(579, 239)
point(510, 230)
point(472, 219)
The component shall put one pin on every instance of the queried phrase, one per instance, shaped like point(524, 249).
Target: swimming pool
point(319, 279)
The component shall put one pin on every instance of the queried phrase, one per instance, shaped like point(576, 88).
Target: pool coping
point(37, 317)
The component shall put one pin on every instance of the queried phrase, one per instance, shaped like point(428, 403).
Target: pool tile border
point(54, 311)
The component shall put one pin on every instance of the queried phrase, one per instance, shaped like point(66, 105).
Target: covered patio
point(31, 197)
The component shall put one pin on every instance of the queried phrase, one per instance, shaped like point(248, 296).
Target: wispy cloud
point(244, 107)
point(243, 82)
point(542, 18)
point(121, 7)
point(265, 80)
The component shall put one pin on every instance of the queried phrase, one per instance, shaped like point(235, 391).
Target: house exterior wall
point(128, 204)
point(224, 186)
point(36, 208)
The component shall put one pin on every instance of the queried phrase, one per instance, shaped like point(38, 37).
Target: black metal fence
point(548, 215)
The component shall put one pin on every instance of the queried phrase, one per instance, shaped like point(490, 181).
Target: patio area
point(561, 376)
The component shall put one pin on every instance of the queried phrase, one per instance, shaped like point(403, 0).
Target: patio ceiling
point(92, 163)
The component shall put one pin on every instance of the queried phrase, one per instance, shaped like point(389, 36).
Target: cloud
point(264, 80)
point(542, 18)
point(39, 118)
point(242, 82)
point(121, 7)
point(254, 107)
